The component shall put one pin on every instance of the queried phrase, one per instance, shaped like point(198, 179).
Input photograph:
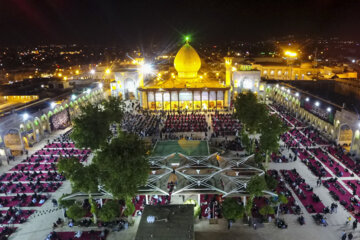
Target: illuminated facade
point(185, 88)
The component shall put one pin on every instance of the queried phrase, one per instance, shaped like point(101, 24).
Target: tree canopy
point(232, 210)
point(249, 111)
point(256, 185)
point(91, 129)
point(122, 165)
point(109, 211)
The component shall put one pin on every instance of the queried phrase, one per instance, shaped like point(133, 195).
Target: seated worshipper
point(78, 234)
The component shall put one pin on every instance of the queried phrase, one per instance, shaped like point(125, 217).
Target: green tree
point(232, 210)
point(266, 210)
point(271, 129)
point(92, 128)
point(113, 109)
point(69, 166)
point(256, 186)
point(249, 206)
point(249, 111)
point(246, 142)
point(109, 211)
point(122, 165)
point(129, 207)
point(283, 199)
point(76, 212)
point(271, 182)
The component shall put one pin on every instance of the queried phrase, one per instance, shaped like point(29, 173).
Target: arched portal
point(130, 89)
point(345, 136)
point(13, 141)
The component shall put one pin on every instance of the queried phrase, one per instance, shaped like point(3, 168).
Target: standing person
point(348, 220)
point(336, 206)
point(343, 235)
point(355, 224)
point(229, 224)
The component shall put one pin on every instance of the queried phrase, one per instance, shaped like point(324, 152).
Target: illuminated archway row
point(27, 130)
point(333, 129)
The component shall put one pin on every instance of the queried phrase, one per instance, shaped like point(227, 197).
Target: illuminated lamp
point(25, 116)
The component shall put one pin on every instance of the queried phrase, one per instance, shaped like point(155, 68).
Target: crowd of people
point(29, 183)
point(185, 123)
point(224, 125)
point(142, 124)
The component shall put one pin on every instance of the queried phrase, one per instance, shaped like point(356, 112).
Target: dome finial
point(187, 39)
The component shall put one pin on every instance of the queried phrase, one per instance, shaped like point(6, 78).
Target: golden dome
point(187, 62)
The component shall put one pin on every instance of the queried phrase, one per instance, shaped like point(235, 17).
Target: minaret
point(228, 66)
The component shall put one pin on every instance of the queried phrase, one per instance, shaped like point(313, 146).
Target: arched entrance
point(345, 136)
point(12, 140)
point(130, 89)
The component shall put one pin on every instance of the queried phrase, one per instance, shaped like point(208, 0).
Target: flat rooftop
point(172, 222)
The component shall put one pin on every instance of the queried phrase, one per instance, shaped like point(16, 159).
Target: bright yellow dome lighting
point(187, 62)
point(107, 71)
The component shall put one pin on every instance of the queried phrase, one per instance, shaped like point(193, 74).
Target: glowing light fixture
point(25, 116)
point(307, 99)
point(88, 91)
point(73, 97)
point(52, 105)
point(92, 71)
point(288, 90)
point(290, 54)
point(108, 71)
point(328, 109)
point(297, 94)
point(317, 103)
point(100, 85)
point(146, 69)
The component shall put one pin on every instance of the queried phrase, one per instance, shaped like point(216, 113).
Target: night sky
point(135, 22)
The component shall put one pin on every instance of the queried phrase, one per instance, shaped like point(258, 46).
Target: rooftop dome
point(187, 62)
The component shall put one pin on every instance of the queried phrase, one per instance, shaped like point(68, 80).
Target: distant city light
point(73, 97)
point(108, 71)
point(297, 94)
point(52, 105)
point(328, 109)
point(290, 54)
point(317, 103)
point(25, 116)
point(307, 99)
point(146, 68)
point(288, 90)
point(353, 61)
point(100, 85)
point(77, 72)
point(233, 69)
point(92, 71)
